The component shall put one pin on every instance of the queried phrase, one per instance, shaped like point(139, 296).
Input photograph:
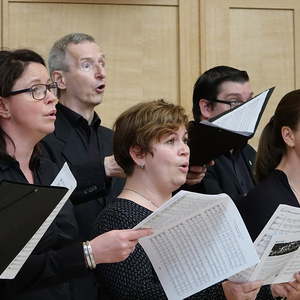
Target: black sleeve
point(58, 256)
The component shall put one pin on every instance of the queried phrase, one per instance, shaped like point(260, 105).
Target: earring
point(141, 166)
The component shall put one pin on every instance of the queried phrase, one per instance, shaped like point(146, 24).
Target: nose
point(100, 72)
point(184, 149)
point(50, 98)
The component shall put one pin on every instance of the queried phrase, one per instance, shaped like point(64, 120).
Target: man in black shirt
point(77, 64)
point(217, 90)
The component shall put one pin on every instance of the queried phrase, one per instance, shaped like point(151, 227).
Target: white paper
point(243, 118)
point(198, 241)
point(64, 178)
point(282, 230)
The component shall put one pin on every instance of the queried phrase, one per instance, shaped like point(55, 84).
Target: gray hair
point(56, 60)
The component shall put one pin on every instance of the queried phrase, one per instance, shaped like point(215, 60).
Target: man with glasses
point(216, 91)
point(77, 65)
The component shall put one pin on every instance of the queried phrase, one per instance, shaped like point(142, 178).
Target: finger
point(279, 290)
point(297, 277)
point(135, 234)
point(248, 287)
point(197, 169)
point(289, 288)
point(194, 176)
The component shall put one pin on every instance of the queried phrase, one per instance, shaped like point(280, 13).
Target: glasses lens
point(52, 87)
point(39, 91)
point(236, 103)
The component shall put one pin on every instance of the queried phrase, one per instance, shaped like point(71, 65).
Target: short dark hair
point(208, 85)
point(272, 147)
point(140, 125)
point(12, 65)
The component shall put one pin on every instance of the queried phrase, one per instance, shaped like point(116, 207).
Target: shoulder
point(120, 214)
point(261, 202)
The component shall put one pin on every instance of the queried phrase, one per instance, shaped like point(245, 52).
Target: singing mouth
point(100, 88)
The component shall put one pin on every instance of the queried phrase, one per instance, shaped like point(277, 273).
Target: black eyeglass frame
point(52, 85)
point(231, 103)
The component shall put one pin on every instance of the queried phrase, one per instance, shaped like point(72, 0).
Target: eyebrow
point(91, 58)
point(38, 81)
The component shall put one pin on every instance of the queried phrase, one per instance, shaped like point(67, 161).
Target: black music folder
point(229, 130)
point(23, 209)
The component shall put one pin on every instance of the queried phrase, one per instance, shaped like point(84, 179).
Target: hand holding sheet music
point(198, 241)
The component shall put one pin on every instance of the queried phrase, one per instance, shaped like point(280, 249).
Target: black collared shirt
point(87, 172)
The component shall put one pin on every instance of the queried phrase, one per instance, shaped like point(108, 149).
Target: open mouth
point(184, 167)
point(51, 114)
point(100, 88)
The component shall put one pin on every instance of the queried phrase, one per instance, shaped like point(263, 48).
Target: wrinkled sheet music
point(278, 247)
point(198, 241)
point(243, 119)
point(64, 178)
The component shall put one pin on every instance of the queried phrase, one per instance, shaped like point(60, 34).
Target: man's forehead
point(233, 87)
point(84, 50)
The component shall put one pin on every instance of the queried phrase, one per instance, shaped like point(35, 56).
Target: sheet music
point(282, 230)
point(198, 241)
point(244, 117)
point(64, 178)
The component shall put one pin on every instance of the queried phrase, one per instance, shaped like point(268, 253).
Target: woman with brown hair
point(150, 144)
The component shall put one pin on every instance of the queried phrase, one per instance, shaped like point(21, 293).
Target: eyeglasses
point(232, 103)
point(89, 65)
point(38, 91)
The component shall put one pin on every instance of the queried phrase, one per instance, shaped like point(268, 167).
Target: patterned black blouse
point(135, 278)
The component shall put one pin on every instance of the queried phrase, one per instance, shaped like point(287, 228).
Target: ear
point(59, 78)
point(137, 155)
point(4, 108)
point(206, 109)
point(288, 136)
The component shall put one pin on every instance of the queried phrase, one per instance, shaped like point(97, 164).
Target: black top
point(231, 174)
point(90, 176)
point(135, 278)
point(83, 147)
point(57, 257)
point(260, 204)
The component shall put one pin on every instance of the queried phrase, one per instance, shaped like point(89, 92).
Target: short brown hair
point(142, 124)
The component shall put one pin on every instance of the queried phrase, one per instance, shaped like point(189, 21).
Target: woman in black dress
point(27, 114)
point(278, 173)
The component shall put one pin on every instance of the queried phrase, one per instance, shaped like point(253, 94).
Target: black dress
point(135, 278)
point(57, 257)
point(260, 203)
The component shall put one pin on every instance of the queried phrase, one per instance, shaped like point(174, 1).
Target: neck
point(290, 165)
point(144, 194)
point(86, 111)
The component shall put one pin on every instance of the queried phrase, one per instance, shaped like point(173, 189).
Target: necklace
point(141, 195)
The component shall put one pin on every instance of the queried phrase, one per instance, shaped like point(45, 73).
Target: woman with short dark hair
point(27, 114)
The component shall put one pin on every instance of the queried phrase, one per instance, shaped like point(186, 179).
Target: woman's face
point(27, 115)
point(168, 164)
